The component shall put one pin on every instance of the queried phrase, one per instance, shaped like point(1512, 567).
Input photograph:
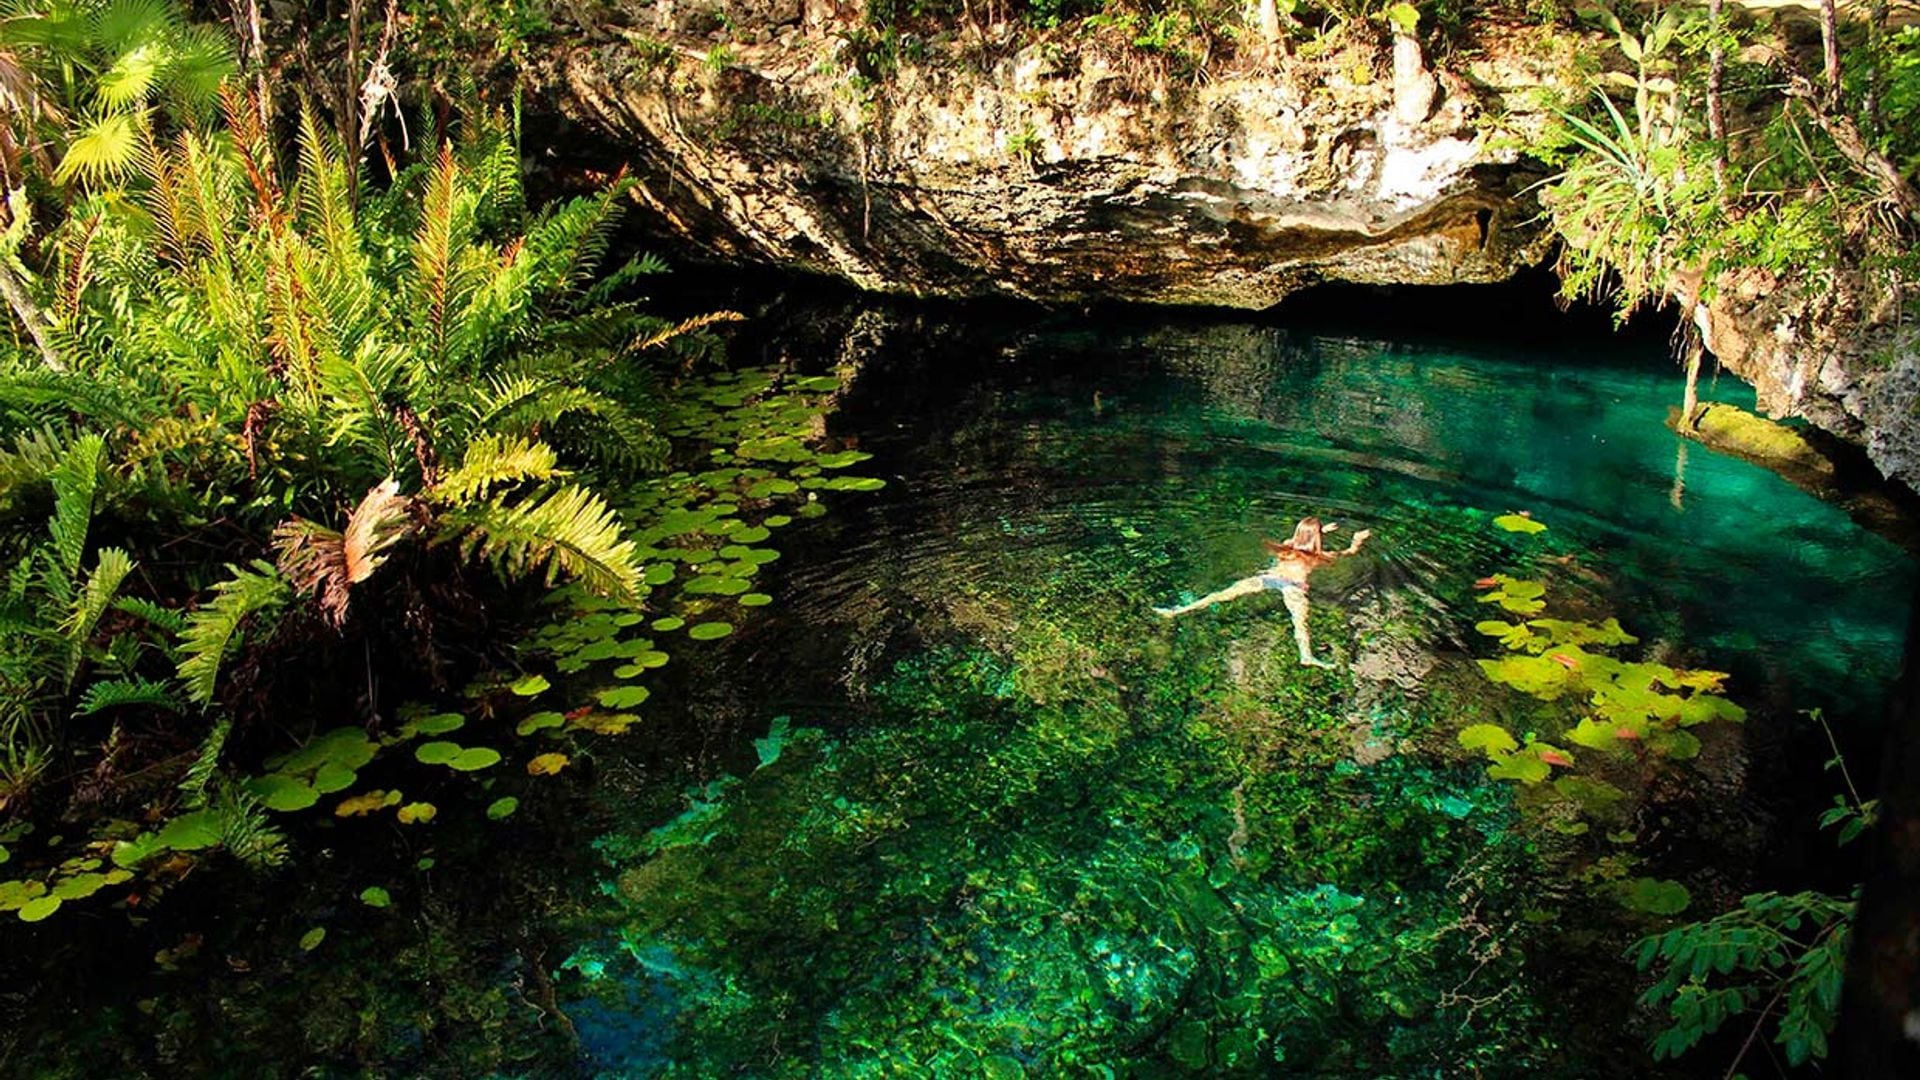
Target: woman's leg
point(1297, 607)
point(1234, 591)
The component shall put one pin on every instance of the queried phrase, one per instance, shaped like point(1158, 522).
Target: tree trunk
point(1269, 17)
point(1830, 48)
point(1716, 107)
point(30, 316)
point(1690, 399)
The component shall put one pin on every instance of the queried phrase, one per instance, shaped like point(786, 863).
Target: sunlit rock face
point(1835, 358)
point(1045, 172)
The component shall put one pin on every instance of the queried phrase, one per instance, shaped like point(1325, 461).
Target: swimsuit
point(1277, 583)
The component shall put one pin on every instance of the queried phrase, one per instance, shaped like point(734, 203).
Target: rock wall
point(1053, 173)
point(1831, 358)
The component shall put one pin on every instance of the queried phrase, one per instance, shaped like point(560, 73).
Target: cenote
point(957, 802)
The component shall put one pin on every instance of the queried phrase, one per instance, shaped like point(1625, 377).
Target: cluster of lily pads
point(1628, 712)
point(703, 534)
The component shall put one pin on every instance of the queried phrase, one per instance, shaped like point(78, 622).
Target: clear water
point(958, 804)
point(1026, 828)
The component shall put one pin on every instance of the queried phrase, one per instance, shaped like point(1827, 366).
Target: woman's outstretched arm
point(1243, 587)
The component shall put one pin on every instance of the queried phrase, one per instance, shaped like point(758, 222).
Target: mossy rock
point(1733, 430)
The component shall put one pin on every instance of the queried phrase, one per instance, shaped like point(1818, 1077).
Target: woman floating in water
point(1293, 562)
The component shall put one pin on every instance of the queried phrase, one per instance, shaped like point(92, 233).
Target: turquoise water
point(958, 804)
point(973, 811)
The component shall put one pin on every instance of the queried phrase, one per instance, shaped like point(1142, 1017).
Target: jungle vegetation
point(292, 404)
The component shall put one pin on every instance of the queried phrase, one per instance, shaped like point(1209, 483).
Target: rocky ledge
point(1010, 165)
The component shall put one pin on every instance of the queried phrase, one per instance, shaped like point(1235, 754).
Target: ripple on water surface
point(1017, 825)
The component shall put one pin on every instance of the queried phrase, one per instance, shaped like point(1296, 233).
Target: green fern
point(213, 629)
point(206, 764)
point(126, 693)
point(493, 461)
point(111, 567)
point(75, 481)
point(166, 618)
point(570, 531)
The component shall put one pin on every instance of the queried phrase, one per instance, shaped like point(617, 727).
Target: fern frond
point(193, 786)
point(110, 569)
point(246, 832)
point(605, 290)
point(213, 629)
point(493, 461)
point(318, 560)
point(75, 480)
point(682, 328)
point(166, 618)
point(123, 693)
point(570, 531)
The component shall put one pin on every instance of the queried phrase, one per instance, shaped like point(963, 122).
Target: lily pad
point(37, 909)
point(279, 791)
point(530, 685)
point(502, 808)
point(624, 697)
point(333, 777)
point(474, 759)
point(547, 764)
point(311, 940)
point(710, 631)
point(437, 724)
point(366, 803)
point(1493, 739)
point(1517, 523)
point(539, 721)
point(669, 623)
point(375, 897)
point(190, 832)
point(437, 753)
point(755, 599)
point(417, 813)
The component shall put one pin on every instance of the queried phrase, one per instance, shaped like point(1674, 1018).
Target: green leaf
point(474, 759)
point(437, 753)
point(623, 697)
point(502, 808)
point(190, 832)
point(530, 685)
point(278, 791)
point(1654, 896)
point(311, 940)
point(375, 897)
point(539, 721)
point(1524, 767)
point(1516, 523)
point(709, 631)
point(39, 908)
point(1491, 738)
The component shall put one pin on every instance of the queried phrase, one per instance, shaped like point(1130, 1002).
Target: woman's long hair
point(1305, 544)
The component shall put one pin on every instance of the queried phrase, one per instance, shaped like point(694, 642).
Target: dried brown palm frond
point(326, 563)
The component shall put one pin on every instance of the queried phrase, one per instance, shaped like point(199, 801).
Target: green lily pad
point(1492, 739)
point(669, 623)
point(1515, 523)
point(279, 791)
point(755, 599)
point(37, 909)
point(190, 832)
point(437, 724)
point(333, 777)
point(539, 721)
point(436, 753)
point(502, 808)
point(375, 897)
point(710, 631)
point(16, 894)
point(311, 940)
point(623, 697)
point(473, 759)
point(128, 854)
point(530, 685)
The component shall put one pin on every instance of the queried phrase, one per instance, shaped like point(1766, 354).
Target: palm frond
point(105, 148)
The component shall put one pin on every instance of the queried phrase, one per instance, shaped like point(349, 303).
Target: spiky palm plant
point(312, 376)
